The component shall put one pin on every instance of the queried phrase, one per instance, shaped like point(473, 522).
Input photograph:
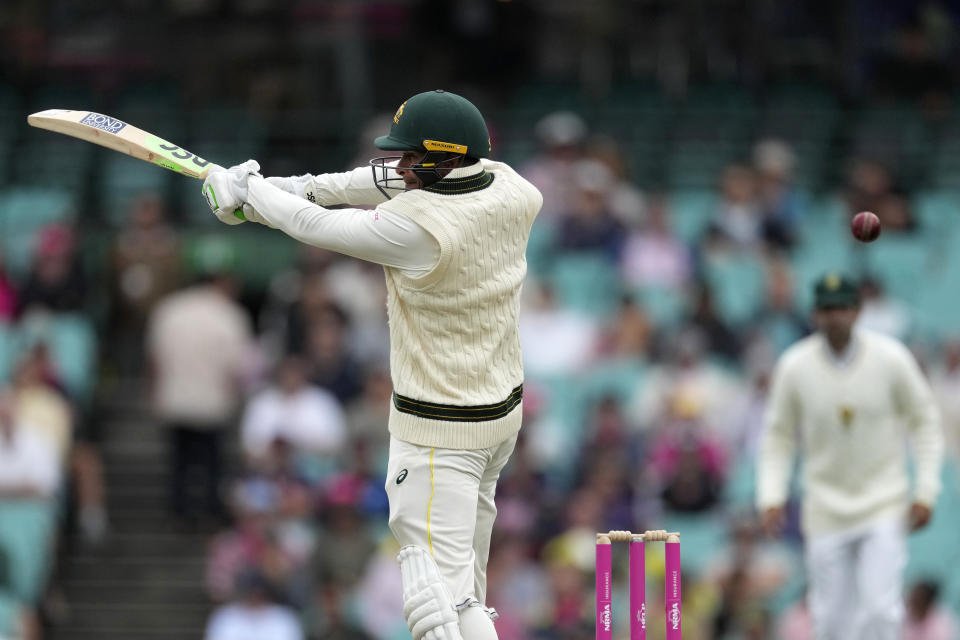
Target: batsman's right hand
point(225, 191)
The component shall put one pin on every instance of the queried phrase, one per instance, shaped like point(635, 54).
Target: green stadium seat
point(124, 178)
point(701, 535)
point(619, 379)
point(73, 348)
point(274, 252)
point(27, 528)
point(586, 282)
point(737, 281)
point(9, 612)
point(691, 211)
point(664, 305)
point(46, 159)
point(8, 350)
point(540, 248)
point(933, 552)
point(23, 212)
point(900, 261)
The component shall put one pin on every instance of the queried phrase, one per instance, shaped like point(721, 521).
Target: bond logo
point(605, 617)
point(642, 615)
point(675, 615)
point(102, 122)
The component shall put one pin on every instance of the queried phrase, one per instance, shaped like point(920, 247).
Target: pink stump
point(604, 591)
point(672, 591)
point(638, 595)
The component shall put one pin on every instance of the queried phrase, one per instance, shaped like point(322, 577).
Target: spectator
point(945, 380)
point(146, 267)
point(927, 619)
point(561, 135)
point(779, 320)
point(686, 373)
point(738, 217)
point(197, 342)
point(626, 202)
point(868, 184)
point(881, 313)
point(689, 463)
point(781, 205)
point(307, 417)
point(895, 214)
point(329, 619)
point(630, 333)
point(347, 546)
point(587, 223)
point(8, 295)
point(253, 614)
point(652, 255)
point(332, 365)
point(57, 281)
point(545, 325)
point(367, 415)
point(29, 468)
point(719, 338)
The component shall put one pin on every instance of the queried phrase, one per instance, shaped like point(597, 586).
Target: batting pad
point(427, 605)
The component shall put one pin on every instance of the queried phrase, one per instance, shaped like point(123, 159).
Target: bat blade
point(117, 135)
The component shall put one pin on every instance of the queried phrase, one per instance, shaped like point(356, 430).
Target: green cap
point(835, 290)
point(438, 121)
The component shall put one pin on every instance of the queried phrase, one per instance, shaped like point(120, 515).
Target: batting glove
point(297, 185)
point(226, 191)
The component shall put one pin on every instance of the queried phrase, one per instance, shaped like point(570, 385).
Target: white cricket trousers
point(443, 500)
point(856, 582)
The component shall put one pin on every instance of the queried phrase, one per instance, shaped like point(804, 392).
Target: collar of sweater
point(462, 180)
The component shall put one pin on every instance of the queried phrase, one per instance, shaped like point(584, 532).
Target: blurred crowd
point(651, 318)
point(644, 400)
point(645, 391)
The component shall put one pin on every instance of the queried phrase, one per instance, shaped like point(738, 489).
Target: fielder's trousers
point(856, 579)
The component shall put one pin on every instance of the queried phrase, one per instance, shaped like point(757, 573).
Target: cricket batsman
point(845, 399)
point(450, 228)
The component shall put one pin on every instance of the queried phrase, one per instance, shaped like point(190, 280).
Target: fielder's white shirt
point(848, 419)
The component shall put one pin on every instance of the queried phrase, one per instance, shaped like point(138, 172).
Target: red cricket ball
point(865, 226)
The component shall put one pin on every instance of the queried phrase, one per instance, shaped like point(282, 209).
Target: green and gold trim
point(456, 186)
point(476, 413)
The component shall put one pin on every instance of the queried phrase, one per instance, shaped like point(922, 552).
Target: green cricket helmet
point(441, 125)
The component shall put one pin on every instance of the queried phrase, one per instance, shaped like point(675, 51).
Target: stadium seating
point(23, 212)
point(27, 528)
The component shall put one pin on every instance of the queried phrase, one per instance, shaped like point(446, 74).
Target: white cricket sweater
point(453, 302)
point(849, 422)
point(455, 346)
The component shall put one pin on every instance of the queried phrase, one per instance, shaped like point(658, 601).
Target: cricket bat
point(118, 135)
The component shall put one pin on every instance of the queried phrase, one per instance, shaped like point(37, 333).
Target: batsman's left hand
point(226, 190)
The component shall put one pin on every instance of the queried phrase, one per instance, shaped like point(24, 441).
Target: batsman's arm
point(355, 188)
point(379, 236)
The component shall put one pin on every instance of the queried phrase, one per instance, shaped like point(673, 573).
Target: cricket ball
point(865, 226)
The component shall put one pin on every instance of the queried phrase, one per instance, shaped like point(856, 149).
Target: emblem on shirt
point(396, 116)
point(401, 476)
point(846, 416)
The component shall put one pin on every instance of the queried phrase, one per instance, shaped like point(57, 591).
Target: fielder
point(450, 229)
point(843, 397)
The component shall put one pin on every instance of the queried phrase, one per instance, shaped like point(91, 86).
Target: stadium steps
point(146, 581)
